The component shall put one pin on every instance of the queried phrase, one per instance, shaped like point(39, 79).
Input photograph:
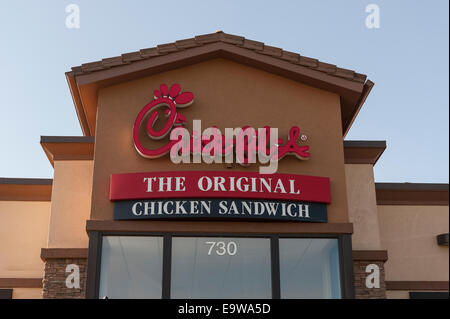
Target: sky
point(407, 57)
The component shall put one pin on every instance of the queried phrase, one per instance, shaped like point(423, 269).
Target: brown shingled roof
point(85, 80)
point(200, 40)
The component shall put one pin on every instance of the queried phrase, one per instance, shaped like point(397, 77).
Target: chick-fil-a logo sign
point(210, 146)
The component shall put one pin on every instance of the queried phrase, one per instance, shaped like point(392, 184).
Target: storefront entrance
point(220, 266)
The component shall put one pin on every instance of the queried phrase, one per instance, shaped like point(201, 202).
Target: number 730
point(222, 248)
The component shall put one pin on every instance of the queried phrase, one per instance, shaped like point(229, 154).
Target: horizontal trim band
point(370, 255)
point(61, 253)
point(65, 148)
point(25, 189)
point(67, 139)
point(363, 152)
point(412, 186)
point(20, 282)
point(416, 285)
point(364, 144)
point(26, 181)
point(219, 227)
point(56, 148)
point(412, 194)
point(81, 157)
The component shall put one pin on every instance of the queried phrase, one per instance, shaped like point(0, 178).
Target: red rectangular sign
point(213, 184)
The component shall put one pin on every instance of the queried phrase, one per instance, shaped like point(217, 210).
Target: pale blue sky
point(407, 58)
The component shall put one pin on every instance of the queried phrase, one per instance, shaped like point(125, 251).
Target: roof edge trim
point(414, 194)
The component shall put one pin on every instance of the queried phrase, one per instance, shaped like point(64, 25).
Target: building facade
point(120, 219)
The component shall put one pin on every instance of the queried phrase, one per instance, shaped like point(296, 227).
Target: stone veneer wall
point(54, 282)
point(360, 275)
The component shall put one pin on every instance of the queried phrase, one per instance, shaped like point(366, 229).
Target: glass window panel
point(309, 268)
point(217, 267)
point(131, 267)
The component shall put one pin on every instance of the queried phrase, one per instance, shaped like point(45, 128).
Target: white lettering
point(179, 184)
point(133, 209)
point(149, 181)
point(303, 209)
point(200, 183)
point(271, 208)
point(165, 181)
point(289, 211)
point(292, 187)
point(218, 183)
point(223, 209)
point(239, 184)
point(280, 186)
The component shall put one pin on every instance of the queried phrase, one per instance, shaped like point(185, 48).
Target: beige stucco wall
point(227, 94)
point(71, 204)
point(23, 232)
point(362, 207)
point(409, 235)
point(27, 293)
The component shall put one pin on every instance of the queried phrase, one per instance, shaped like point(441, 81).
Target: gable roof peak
point(218, 36)
point(85, 80)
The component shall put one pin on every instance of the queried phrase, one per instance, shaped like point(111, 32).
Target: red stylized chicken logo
point(171, 99)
